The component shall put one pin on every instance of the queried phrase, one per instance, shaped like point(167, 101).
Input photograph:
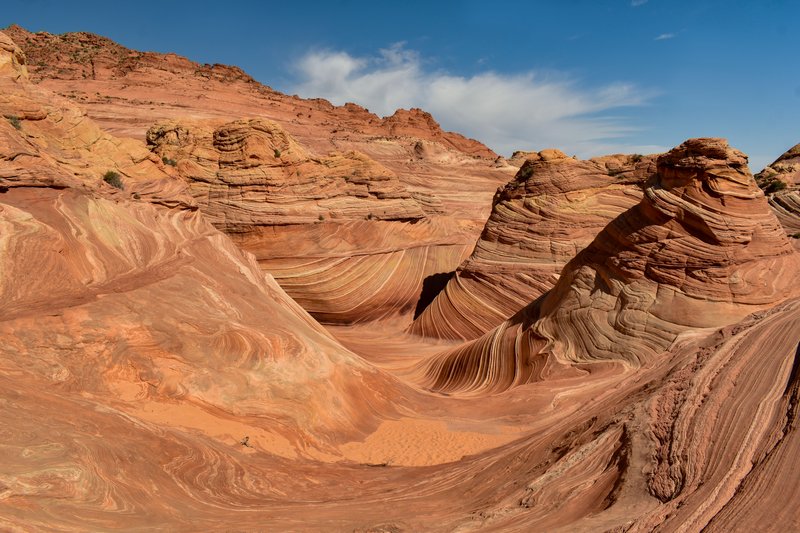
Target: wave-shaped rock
point(340, 233)
point(152, 377)
point(701, 250)
point(550, 211)
point(142, 301)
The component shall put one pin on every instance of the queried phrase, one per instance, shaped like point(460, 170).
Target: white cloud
point(664, 36)
point(637, 3)
point(507, 112)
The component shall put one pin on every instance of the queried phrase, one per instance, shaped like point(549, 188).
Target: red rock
point(152, 377)
point(549, 212)
point(701, 250)
point(781, 183)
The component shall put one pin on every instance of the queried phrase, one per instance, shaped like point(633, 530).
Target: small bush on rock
point(113, 179)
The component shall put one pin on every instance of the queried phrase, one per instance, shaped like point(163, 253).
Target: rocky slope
point(126, 92)
point(350, 212)
point(106, 290)
point(781, 183)
point(549, 212)
point(340, 233)
point(701, 250)
point(153, 377)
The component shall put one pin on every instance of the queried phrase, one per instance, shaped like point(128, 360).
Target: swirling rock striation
point(542, 218)
point(340, 233)
point(781, 183)
point(701, 250)
point(152, 377)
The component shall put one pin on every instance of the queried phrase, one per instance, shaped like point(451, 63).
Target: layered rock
point(781, 183)
point(134, 284)
point(127, 91)
point(47, 141)
point(340, 233)
point(252, 173)
point(152, 377)
point(549, 212)
point(701, 250)
point(396, 169)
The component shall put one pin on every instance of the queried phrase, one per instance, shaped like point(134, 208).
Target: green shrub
point(14, 121)
point(277, 153)
point(321, 217)
point(795, 236)
point(774, 186)
point(167, 161)
point(113, 179)
point(637, 157)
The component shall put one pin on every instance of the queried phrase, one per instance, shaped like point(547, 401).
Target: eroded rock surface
point(549, 212)
point(701, 250)
point(153, 377)
point(781, 183)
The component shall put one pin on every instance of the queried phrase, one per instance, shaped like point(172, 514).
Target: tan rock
point(548, 213)
point(701, 250)
point(781, 183)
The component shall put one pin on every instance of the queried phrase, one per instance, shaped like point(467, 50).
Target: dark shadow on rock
point(431, 286)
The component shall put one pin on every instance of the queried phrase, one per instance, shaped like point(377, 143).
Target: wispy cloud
point(637, 3)
point(664, 36)
point(507, 112)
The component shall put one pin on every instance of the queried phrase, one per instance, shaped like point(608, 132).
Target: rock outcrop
point(122, 287)
point(252, 173)
point(47, 141)
point(361, 188)
point(542, 218)
point(126, 92)
point(781, 183)
point(153, 377)
point(340, 233)
point(701, 250)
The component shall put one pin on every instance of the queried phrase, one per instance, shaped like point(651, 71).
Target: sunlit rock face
point(701, 250)
point(154, 378)
point(781, 184)
point(423, 193)
point(550, 211)
point(340, 233)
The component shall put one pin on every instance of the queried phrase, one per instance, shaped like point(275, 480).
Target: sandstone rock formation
point(701, 250)
point(781, 183)
point(47, 141)
point(352, 211)
point(153, 377)
point(127, 91)
point(549, 212)
point(340, 233)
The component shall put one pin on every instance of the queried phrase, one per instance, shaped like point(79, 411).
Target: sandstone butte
point(156, 376)
point(551, 210)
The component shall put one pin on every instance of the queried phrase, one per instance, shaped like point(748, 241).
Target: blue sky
point(589, 77)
